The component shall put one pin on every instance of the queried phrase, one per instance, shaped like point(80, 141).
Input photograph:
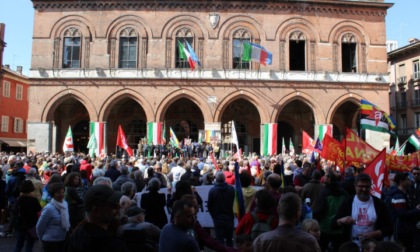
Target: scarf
point(64, 213)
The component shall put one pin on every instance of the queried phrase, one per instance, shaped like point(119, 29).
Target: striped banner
point(98, 130)
point(324, 129)
point(269, 139)
point(154, 133)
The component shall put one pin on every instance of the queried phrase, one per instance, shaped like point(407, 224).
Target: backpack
point(260, 226)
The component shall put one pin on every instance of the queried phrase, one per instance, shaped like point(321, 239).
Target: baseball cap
point(101, 195)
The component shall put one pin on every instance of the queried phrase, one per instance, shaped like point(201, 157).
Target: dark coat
point(154, 203)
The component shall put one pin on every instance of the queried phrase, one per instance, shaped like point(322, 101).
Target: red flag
point(214, 161)
point(377, 172)
point(358, 150)
point(307, 143)
point(122, 141)
point(333, 150)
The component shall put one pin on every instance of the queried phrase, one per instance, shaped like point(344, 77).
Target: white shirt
point(365, 217)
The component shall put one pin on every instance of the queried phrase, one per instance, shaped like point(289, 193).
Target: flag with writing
point(122, 141)
point(373, 118)
point(92, 145)
point(307, 143)
point(377, 172)
point(68, 141)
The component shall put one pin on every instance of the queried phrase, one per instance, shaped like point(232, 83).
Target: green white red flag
point(154, 133)
point(68, 141)
point(97, 129)
point(269, 139)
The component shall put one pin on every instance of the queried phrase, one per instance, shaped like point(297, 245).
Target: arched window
point(349, 53)
point(297, 51)
point(128, 48)
point(182, 36)
point(72, 48)
point(240, 37)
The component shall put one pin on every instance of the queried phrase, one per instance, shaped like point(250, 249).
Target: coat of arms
point(214, 19)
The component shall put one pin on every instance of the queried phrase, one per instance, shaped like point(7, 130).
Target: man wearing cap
point(102, 207)
point(138, 234)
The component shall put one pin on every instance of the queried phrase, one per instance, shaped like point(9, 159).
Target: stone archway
point(345, 116)
point(295, 117)
point(185, 118)
point(131, 116)
point(247, 124)
point(71, 112)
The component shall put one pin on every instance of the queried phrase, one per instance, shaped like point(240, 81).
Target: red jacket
point(230, 177)
point(246, 223)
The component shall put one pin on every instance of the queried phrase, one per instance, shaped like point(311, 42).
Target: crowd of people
point(74, 202)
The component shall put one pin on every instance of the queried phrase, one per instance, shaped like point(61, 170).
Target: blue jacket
point(220, 202)
point(49, 224)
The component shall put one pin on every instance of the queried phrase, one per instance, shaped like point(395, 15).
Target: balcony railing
point(402, 80)
point(416, 102)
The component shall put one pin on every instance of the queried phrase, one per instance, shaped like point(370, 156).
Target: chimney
point(19, 69)
point(7, 66)
point(413, 40)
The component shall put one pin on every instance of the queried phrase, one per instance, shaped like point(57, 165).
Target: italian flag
point(154, 133)
point(291, 148)
point(184, 54)
point(269, 139)
point(283, 147)
point(97, 134)
point(256, 53)
point(324, 129)
point(68, 141)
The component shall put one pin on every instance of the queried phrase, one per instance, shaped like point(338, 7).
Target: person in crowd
point(368, 245)
point(3, 199)
point(182, 188)
point(139, 181)
point(286, 237)
point(388, 246)
point(46, 196)
point(403, 214)
point(177, 171)
point(27, 208)
point(348, 182)
point(261, 214)
point(138, 234)
point(273, 186)
point(101, 204)
point(248, 191)
point(220, 206)
point(54, 222)
point(312, 227)
point(349, 246)
point(31, 175)
point(154, 203)
point(244, 243)
point(363, 215)
point(325, 209)
point(229, 174)
point(103, 181)
point(112, 172)
point(116, 185)
point(303, 177)
point(312, 189)
point(74, 196)
point(207, 175)
point(13, 191)
point(85, 165)
point(174, 236)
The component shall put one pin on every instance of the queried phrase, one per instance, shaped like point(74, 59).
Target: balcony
point(416, 102)
point(416, 78)
point(402, 80)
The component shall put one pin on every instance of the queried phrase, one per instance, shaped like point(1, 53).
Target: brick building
point(404, 69)
point(13, 109)
point(118, 62)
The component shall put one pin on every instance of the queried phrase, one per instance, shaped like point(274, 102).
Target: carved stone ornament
point(214, 19)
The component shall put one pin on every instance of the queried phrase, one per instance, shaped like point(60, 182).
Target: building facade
point(13, 110)
point(404, 95)
point(118, 62)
